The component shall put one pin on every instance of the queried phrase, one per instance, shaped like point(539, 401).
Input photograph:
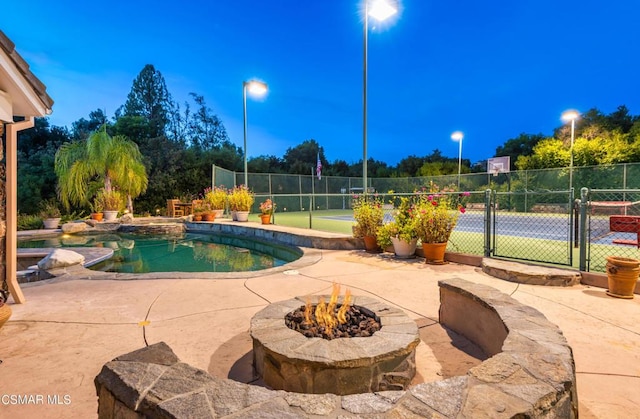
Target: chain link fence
point(612, 219)
point(524, 215)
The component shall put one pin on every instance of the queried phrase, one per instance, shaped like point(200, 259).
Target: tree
point(82, 128)
point(36, 176)
point(149, 98)
point(83, 166)
point(523, 144)
point(205, 129)
point(302, 158)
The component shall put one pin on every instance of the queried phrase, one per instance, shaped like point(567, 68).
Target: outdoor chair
point(173, 210)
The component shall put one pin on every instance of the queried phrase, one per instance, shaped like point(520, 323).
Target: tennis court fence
point(541, 225)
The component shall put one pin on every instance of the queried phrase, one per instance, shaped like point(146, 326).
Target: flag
point(319, 168)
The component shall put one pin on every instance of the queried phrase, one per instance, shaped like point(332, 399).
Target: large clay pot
point(5, 313)
point(404, 249)
point(434, 253)
point(371, 244)
point(197, 217)
point(208, 216)
point(622, 275)
point(97, 216)
point(266, 218)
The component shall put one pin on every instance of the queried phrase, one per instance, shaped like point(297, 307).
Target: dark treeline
point(180, 142)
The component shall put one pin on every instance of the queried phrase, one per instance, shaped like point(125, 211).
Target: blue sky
point(489, 69)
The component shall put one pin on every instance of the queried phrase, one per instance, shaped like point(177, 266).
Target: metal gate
point(534, 226)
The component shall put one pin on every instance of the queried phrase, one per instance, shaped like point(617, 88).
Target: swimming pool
point(187, 252)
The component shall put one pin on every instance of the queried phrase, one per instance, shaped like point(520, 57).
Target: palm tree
point(101, 161)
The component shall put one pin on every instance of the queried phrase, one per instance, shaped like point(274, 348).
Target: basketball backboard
point(497, 165)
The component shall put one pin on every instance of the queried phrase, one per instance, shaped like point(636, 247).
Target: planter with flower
point(97, 208)
point(368, 214)
point(436, 215)
point(216, 198)
point(198, 210)
point(50, 213)
point(401, 232)
point(267, 209)
point(112, 201)
point(240, 200)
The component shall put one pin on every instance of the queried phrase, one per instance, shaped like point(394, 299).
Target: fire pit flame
point(325, 314)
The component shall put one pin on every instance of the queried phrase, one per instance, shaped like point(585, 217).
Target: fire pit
point(288, 360)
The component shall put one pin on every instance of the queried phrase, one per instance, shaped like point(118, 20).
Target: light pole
point(379, 10)
point(457, 136)
point(571, 115)
point(257, 88)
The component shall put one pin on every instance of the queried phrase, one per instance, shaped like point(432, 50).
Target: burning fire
point(325, 314)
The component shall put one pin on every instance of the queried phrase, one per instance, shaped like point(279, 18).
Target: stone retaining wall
point(304, 238)
point(531, 375)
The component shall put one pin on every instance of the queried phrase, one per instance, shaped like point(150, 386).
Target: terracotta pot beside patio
point(371, 244)
point(434, 253)
point(5, 313)
point(622, 275)
point(266, 218)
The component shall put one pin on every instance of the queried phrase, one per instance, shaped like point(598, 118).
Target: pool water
point(177, 253)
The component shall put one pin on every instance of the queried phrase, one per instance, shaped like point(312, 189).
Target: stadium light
point(571, 115)
point(457, 136)
point(379, 10)
point(257, 88)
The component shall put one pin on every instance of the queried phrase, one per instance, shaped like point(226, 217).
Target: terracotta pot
point(208, 216)
point(197, 217)
point(96, 216)
point(404, 249)
point(266, 218)
point(434, 253)
point(5, 313)
point(622, 275)
point(371, 244)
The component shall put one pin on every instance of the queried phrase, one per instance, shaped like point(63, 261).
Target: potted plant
point(217, 199)
point(112, 202)
point(240, 200)
point(401, 232)
point(50, 213)
point(97, 206)
point(208, 214)
point(436, 215)
point(198, 210)
point(368, 213)
point(267, 208)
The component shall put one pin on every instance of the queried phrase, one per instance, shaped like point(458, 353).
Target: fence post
point(487, 223)
point(584, 203)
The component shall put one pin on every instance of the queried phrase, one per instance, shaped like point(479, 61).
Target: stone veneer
point(531, 375)
point(287, 360)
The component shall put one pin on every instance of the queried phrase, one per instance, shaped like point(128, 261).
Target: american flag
point(319, 168)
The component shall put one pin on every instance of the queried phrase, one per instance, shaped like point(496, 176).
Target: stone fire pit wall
point(532, 376)
point(287, 360)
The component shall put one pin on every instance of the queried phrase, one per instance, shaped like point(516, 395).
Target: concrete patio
point(56, 343)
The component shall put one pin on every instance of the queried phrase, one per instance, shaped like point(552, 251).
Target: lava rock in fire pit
point(360, 322)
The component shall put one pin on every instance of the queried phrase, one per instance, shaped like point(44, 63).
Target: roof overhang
point(21, 93)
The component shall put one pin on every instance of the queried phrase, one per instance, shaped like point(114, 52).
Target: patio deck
point(56, 343)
